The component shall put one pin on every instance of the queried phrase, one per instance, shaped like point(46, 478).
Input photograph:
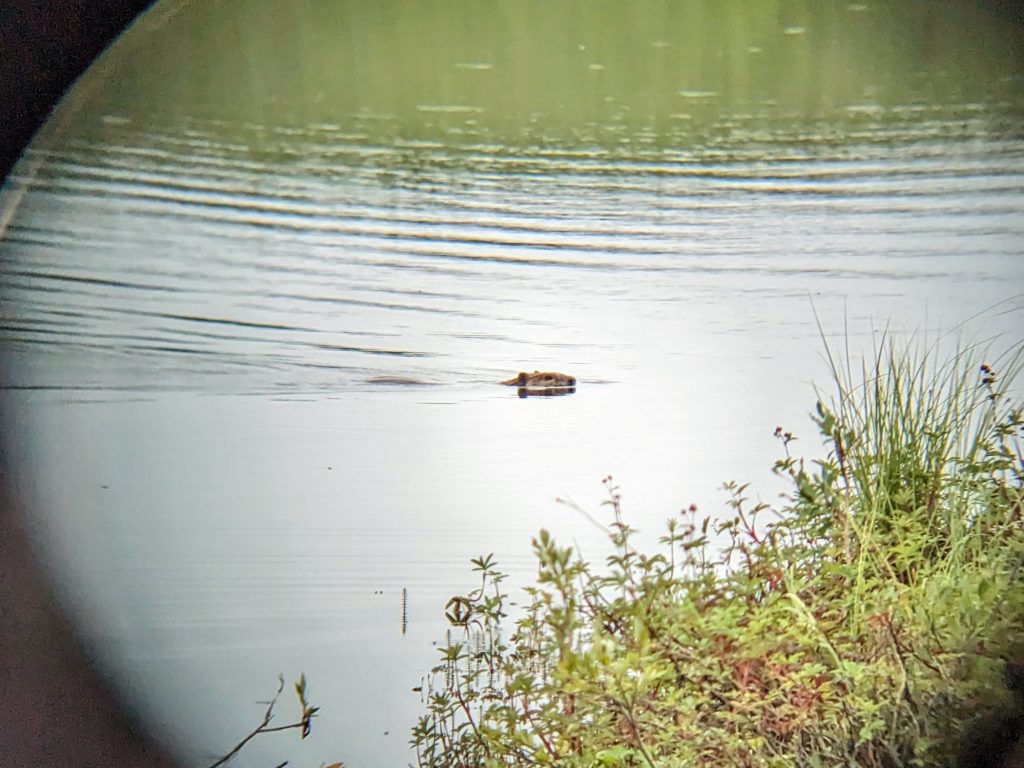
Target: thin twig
point(577, 508)
point(263, 727)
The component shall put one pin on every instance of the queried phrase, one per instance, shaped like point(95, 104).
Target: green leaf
point(614, 755)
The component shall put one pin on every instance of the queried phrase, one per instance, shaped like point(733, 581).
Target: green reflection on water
point(621, 77)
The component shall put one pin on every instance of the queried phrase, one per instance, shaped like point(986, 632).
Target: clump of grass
point(868, 620)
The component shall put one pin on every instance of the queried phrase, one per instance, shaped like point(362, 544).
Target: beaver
point(541, 380)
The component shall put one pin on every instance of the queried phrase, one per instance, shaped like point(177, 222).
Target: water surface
point(266, 265)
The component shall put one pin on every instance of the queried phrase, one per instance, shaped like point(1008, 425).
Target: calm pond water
point(266, 264)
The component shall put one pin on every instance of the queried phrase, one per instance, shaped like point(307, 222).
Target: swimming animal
point(541, 380)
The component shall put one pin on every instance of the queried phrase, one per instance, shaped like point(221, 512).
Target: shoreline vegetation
point(874, 617)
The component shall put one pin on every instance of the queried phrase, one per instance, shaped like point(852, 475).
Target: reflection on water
point(267, 268)
point(544, 391)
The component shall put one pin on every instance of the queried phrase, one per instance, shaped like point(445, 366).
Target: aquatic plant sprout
point(874, 618)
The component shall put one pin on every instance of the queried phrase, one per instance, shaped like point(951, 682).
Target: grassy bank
point(874, 618)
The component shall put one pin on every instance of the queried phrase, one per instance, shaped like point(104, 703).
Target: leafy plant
point(867, 621)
